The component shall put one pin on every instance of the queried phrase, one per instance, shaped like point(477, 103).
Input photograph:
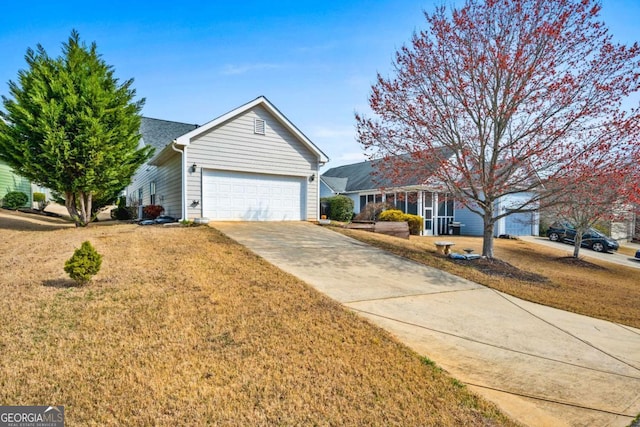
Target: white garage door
point(252, 197)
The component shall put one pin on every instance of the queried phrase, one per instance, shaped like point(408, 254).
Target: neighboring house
point(9, 182)
point(250, 164)
point(362, 183)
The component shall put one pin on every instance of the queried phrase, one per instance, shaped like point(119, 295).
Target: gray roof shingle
point(338, 185)
point(159, 133)
point(369, 175)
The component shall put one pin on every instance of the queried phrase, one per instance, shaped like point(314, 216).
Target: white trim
point(183, 154)
point(186, 139)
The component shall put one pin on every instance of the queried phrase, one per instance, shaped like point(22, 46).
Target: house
point(10, 181)
point(250, 164)
point(363, 183)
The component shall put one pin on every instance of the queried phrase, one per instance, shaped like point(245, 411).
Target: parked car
point(638, 254)
point(593, 239)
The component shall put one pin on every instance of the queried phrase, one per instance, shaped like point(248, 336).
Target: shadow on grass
point(61, 283)
point(19, 221)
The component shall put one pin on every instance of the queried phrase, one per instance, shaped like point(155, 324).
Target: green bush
point(415, 222)
point(84, 263)
point(14, 200)
point(121, 213)
point(340, 208)
point(41, 200)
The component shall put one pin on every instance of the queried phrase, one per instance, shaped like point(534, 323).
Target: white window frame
point(152, 193)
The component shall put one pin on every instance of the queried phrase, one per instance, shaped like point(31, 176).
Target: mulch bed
point(496, 267)
point(579, 262)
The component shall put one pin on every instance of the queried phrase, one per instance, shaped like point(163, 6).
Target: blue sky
point(193, 61)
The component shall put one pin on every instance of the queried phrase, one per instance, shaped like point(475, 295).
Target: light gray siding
point(167, 178)
point(233, 146)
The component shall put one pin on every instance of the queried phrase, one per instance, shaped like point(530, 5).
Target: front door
point(428, 221)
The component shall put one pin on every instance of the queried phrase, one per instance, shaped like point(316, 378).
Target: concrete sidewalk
point(542, 366)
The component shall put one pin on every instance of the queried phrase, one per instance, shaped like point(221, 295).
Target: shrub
point(394, 215)
point(372, 210)
point(41, 200)
point(121, 213)
point(14, 200)
point(415, 222)
point(84, 263)
point(340, 208)
point(152, 211)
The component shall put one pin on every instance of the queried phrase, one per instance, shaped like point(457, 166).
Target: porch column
point(420, 210)
point(436, 219)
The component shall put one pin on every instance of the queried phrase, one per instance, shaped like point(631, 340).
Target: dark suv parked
point(593, 239)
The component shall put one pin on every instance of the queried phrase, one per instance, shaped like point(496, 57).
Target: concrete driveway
point(542, 366)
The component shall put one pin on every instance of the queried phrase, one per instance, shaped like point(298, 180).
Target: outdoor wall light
point(195, 203)
point(193, 168)
point(312, 177)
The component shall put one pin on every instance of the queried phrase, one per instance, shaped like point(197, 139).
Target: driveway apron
point(542, 366)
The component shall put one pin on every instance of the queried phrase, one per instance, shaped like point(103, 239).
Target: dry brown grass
point(184, 327)
point(594, 288)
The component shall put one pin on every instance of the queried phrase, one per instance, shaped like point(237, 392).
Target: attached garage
point(250, 164)
point(241, 196)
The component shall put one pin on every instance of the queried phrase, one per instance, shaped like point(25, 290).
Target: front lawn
point(532, 272)
point(182, 326)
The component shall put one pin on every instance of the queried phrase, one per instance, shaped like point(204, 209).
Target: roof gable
point(186, 138)
point(337, 185)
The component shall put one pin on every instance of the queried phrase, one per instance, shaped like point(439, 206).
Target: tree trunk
point(487, 235)
point(577, 243)
point(81, 217)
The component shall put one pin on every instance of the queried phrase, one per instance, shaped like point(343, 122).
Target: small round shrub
point(152, 211)
point(394, 215)
point(14, 200)
point(41, 200)
point(39, 197)
point(84, 263)
point(122, 214)
point(415, 223)
point(340, 208)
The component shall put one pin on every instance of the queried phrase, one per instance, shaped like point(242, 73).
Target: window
point(258, 126)
point(152, 192)
point(140, 194)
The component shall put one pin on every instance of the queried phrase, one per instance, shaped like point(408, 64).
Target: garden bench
point(444, 247)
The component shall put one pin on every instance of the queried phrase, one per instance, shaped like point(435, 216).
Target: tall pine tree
point(70, 126)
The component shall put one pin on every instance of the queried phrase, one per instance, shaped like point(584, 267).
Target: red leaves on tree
point(519, 92)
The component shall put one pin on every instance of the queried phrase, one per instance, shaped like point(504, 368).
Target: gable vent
point(258, 126)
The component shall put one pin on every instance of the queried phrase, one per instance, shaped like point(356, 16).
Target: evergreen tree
point(70, 126)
